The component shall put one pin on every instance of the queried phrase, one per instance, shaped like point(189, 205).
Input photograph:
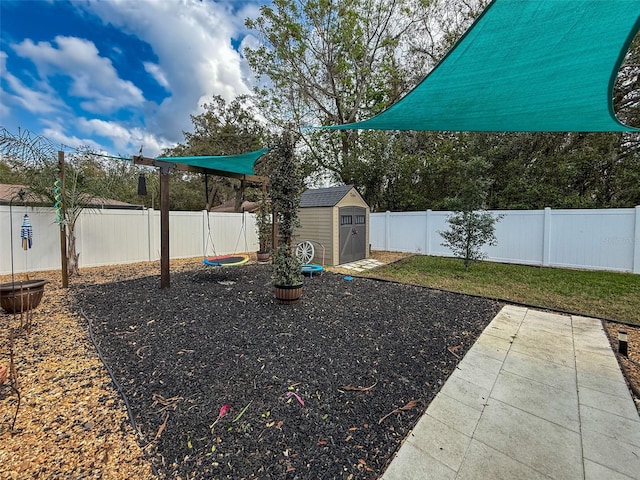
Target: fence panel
point(110, 236)
point(593, 239)
point(437, 223)
point(185, 234)
point(520, 237)
point(597, 242)
point(229, 233)
point(45, 251)
point(607, 239)
point(404, 231)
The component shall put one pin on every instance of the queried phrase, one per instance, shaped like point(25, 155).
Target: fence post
point(546, 238)
point(427, 233)
point(387, 231)
point(636, 242)
point(205, 232)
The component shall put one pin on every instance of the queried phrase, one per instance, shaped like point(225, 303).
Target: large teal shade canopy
point(239, 164)
point(524, 66)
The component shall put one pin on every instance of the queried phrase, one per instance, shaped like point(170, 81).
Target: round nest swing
point(226, 260)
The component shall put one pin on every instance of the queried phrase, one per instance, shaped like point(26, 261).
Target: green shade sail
point(241, 164)
point(524, 66)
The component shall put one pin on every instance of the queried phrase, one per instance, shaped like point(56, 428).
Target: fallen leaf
point(410, 405)
point(358, 389)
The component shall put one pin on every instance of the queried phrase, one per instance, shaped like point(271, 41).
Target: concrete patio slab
point(442, 442)
point(457, 415)
point(616, 386)
point(542, 371)
point(494, 465)
point(536, 442)
point(595, 471)
point(539, 395)
point(614, 454)
point(533, 397)
point(611, 425)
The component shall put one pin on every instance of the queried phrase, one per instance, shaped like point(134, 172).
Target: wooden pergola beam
point(152, 162)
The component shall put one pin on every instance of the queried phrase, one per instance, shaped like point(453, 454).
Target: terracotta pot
point(288, 294)
point(16, 297)
point(264, 257)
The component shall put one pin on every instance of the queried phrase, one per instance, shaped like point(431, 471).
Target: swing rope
point(225, 260)
point(243, 229)
point(209, 239)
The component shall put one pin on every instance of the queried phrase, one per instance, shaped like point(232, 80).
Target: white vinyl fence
point(586, 239)
point(111, 237)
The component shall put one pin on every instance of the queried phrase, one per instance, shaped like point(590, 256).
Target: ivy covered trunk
point(287, 183)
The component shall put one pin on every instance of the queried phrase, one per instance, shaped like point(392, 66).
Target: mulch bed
point(327, 388)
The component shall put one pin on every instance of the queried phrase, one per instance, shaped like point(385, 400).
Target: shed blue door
point(353, 234)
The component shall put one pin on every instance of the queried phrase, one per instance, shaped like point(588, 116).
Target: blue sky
point(117, 74)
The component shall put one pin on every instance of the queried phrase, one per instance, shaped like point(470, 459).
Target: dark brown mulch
point(352, 352)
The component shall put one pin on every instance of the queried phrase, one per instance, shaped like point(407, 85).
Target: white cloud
point(195, 60)
point(94, 78)
point(156, 72)
point(124, 139)
point(192, 40)
point(250, 42)
point(55, 131)
point(4, 109)
point(19, 95)
point(40, 101)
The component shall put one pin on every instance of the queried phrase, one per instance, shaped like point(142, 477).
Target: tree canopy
point(336, 62)
point(223, 128)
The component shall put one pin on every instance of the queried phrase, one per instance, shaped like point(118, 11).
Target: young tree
point(470, 226)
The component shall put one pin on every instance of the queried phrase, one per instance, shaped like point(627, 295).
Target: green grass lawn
point(614, 296)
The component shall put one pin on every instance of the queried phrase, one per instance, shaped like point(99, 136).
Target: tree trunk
point(72, 256)
point(239, 200)
point(211, 197)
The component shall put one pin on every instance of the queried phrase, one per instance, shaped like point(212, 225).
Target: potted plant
point(263, 229)
point(21, 296)
point(287, 183)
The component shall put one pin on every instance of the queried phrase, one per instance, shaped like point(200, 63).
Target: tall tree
point(335, 62)
point(221, 129)
point(331, 62)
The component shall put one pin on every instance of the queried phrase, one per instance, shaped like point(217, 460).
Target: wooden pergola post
point(165, 170)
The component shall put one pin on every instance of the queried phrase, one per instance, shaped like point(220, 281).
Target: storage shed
point(336, 218)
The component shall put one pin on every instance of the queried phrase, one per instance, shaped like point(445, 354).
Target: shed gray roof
point(324, 197)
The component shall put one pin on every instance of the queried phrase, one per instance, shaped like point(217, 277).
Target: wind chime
point(26, 233)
